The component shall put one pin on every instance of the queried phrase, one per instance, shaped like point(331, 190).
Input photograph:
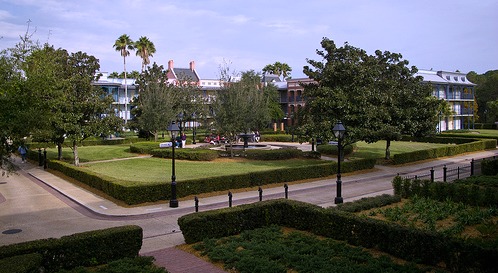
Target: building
point(459, 92)
point(116, 88)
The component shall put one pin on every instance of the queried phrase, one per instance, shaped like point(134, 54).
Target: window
point(448, 78)
point(455, 78)
point(462, 78)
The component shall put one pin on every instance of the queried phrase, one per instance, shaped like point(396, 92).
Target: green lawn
point(378, 149)
point(480, 132)
point(94, 153)
point(152, 170)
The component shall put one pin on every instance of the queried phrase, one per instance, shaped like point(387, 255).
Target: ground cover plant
point(448, 217)
point(274, 249)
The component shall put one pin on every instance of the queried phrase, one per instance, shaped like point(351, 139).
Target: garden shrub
point(186, 154)
point(81, 249)
point(367, 203)
point(277, 154)
point(328, 149)
point(406, 243)
point(26, 263)
point(471, 194)
point(489, 167)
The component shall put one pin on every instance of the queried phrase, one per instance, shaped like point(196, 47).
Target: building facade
point(459, 92)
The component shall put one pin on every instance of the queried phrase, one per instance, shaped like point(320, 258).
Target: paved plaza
point(36, 204)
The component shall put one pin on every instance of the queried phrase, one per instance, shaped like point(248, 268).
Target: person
point(257, 136)
point(23, 151)
point(184, 140)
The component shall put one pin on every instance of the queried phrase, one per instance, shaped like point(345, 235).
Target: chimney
point(170, 65)
point(192, 66)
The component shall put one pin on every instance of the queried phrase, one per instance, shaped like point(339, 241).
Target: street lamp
point(339, 132)
point(174, 129)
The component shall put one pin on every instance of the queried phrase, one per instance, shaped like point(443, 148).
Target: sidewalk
point(320, 192)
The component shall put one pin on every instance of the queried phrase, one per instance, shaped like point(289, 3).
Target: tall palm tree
point(124, 44)
point(145, 49)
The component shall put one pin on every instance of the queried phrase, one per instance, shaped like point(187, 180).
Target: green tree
point(485, 91)
point(124, 44)
point(83, 110)
point(114, 75)
point(376, 96)
point(145, 49)
point(158, 101)
point(18, 115)
point(279, 69)
point(240, 106)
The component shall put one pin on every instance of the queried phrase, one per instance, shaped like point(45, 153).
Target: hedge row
point(88, 142)
point(328, 149)
point(81, 249)
point(367, 203)
point(473, 146)
point(186, 154)
point(489, 167)
point(133, 193)
point(410, 244)
point(473, 194)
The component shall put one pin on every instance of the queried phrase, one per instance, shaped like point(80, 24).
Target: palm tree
point(124, 44)
point(145, 49)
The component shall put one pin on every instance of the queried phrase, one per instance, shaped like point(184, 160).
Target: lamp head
point(173, 129)
point(339, 130)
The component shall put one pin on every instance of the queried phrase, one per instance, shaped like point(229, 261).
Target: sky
point(444, 35)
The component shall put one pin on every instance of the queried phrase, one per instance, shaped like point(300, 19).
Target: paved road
point(35, 204)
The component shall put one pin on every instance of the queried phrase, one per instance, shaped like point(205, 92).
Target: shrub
point(81, 249)
point(328, 149)
point(489, 167)
point(277, 154)
point(369, 203)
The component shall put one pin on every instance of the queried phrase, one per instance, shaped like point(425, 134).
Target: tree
point(376, 96)
point(241, 106)
point(18, 116)
point(145, 49)
point(485, 91)
point(279, 69)
point(158, 101)
point(82, 110)
point(124, 44)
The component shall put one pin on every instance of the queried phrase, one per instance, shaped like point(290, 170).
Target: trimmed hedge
point(82, 249)
point(464, 147)
point(367, 203)
point(186, 154)
point(333, 149)
point(410, 244)
point(489, 167)
point(133, 193)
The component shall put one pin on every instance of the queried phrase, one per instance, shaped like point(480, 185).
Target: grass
point(378, 149)
point(154, 170)
point(93, 153)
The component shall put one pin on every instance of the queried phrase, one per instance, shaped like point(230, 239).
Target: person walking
point(184, 140)
point(22, 151)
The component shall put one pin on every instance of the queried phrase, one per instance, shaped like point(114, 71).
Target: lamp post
point(339, 132)
point(174, 129)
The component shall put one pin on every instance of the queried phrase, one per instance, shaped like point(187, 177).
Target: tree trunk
point(126, 91)
point(75, 153)
point(59, 151)
point(388, 149)
point(155, 136)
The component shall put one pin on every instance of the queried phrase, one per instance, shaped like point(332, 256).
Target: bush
point(489, 167)
point(277, 154)
point(410, 244)
point(81, 249)
point(186, 154)
point(328, 149)
point(369, 203)
point(26, 263)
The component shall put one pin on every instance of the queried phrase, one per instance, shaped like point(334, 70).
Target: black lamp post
point(194, 125)
point(174, 129)
point(339, 131)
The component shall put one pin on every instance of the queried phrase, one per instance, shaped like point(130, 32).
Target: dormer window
point(455, 78)
point(463, 79)
point(448, 78)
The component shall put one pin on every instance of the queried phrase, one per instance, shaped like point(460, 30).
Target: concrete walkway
point(43, 205)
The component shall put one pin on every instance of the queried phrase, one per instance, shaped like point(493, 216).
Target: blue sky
point(440, 34)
